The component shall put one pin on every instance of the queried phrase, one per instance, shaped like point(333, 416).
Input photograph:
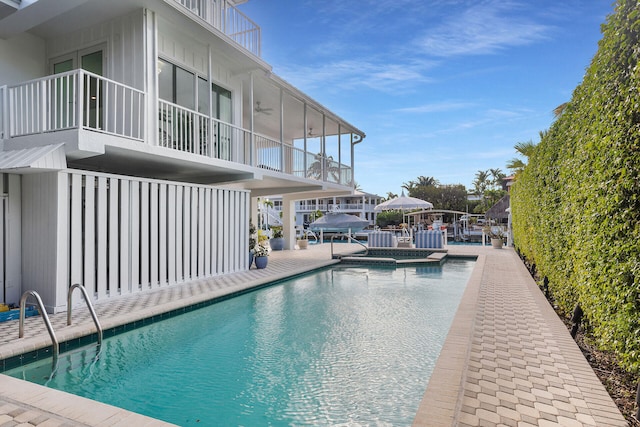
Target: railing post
point(4, 112)
point(80, 99)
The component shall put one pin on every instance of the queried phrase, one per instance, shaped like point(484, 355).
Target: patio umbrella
point(403, 203)
point(338, 222)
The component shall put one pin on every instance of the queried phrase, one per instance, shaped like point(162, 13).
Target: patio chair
point(382, 239)
point(431, 239)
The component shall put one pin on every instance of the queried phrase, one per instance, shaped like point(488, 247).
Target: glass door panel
point(62, 95)
point(93, 90)
point(222, 111)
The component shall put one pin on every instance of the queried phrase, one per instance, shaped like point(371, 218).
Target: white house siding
point(10, 243)
point(123, 39)
point(120, 235)
point(27, 53)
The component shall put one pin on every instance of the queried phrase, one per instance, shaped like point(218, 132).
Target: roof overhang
point(33, 160)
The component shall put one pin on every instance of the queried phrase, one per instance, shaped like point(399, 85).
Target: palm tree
point(525, 149)
point(497, 176)
point(409, 186)
point(557, 112)
point(391, 195)
point(481, 183)
point(428, 181)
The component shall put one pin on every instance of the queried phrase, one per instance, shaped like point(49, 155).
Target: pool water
point(339, 346)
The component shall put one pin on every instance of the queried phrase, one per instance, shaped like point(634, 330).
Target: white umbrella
point(403, 203)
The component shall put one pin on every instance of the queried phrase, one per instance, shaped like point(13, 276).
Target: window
point(192, 132)
point(176, 84)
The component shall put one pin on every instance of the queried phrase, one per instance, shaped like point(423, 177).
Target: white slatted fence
point(128, 234)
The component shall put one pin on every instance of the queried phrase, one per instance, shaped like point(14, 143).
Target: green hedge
point(576, 205)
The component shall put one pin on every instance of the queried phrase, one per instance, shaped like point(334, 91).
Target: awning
point(35, 159)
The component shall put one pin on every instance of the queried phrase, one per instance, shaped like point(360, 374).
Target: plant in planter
point(253, 241)
point(303, 241)
point(496, 234)
point(277, 240)
point(261, 252)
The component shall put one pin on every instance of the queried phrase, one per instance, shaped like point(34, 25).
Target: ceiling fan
point(259, 109)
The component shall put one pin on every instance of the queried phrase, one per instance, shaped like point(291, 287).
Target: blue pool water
point(349, 346)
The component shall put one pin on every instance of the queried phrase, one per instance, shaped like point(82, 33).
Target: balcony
point(225, 17)
point(80, 100)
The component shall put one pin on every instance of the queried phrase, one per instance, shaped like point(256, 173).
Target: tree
point(427, 181)
point(391, 195)
point(481, 183)
point(524, 149)
point(497, 176)
point(409, 186)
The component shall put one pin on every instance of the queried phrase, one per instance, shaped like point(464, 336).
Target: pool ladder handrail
point(351, 239)
point(89, 306)
point(45, 318)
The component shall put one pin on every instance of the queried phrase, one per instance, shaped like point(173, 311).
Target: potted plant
point(496, 234)
point(277, 240)
point(261, 253)
point(253, 241)
point(303, 241)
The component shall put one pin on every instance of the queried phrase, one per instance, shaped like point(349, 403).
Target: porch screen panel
point(220, 236)
point(134, 218)
point(162, 235)
point(194, 232)
point(75, 214)
point(89, 235)
point(201, 232)
point(234, 233)
point(125, 238)
point(113, 283)
point(186, 233)
point(171, 234)
point(153, 234)
point(179, 233)
point(207, 232)
point(226, 219)
point(214, 232)
point(101, 238)
point(145, 262)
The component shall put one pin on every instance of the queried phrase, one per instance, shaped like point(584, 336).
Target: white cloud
point(484, 28)
point(437, 107)
point(353, 74)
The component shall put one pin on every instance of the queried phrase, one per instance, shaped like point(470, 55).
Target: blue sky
point(441, 88)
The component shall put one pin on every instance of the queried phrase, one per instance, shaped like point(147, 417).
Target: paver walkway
point(508, 360)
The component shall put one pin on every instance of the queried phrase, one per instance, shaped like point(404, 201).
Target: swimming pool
point(342, 345)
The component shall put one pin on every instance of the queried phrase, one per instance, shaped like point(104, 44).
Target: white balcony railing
point(76, 99)
point(82, 100)
point(227, 18)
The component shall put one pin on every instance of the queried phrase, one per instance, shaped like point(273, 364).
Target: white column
point(288, 222)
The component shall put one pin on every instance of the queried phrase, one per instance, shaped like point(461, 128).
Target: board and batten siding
point(120, 235)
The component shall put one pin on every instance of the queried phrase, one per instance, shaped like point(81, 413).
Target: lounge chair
point(430, 239)
point(382, 239)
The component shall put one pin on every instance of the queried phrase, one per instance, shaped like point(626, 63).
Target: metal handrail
point(45, 317)
point(89, 306)
point(351, 239)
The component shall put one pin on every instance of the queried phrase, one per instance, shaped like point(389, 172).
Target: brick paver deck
point(507, 361)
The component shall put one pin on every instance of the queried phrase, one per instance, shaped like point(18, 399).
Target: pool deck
point(507, 360)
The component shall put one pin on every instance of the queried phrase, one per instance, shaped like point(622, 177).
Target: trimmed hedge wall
point(576, 205)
